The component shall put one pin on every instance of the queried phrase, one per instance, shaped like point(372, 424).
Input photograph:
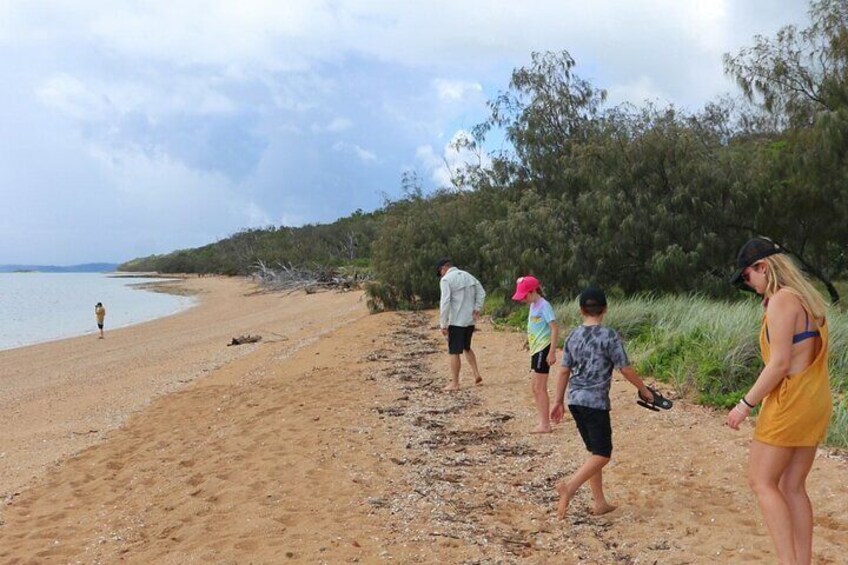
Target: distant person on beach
point(459, 309)
point(100, 314)
point(794, 389)
point(542, 336)
point(589, 354)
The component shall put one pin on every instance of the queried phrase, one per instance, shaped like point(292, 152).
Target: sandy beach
point(331, 441)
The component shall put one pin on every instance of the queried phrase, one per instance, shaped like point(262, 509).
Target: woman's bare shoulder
point(785, 301)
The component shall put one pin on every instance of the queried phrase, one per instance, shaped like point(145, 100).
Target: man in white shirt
point(462, 300)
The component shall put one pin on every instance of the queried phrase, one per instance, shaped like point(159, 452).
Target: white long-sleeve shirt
point(462, 295)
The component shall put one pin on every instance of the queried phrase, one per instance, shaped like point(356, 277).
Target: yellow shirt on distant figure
point(797, 411)
point(100, 312)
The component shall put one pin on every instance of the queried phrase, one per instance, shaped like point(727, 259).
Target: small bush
point(382, 297)
point(505, 312)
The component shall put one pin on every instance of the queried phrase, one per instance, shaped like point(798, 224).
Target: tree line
point(635, 199)
point(347, 241)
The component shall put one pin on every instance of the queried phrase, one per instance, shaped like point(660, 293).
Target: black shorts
point(459, 339)
point(100, 325)
point(539, 361)
point(594, 427)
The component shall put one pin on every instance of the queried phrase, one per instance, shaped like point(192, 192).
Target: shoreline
point(171, 286)
point(61, 396)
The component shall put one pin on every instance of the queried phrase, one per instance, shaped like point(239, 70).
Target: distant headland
point(83, 268)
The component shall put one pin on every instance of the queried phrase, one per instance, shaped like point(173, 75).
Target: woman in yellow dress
point(794, 389)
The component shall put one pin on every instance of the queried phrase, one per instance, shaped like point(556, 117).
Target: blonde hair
point(783, 273)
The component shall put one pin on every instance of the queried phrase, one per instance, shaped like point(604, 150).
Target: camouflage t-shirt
point(591, 352)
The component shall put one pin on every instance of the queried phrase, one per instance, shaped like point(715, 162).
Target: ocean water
point(38, 307)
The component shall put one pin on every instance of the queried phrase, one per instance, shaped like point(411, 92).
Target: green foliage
point(708, 349)
point(692, 342)
point(524, 240)
point(656, 205)
point(647, 199)
point(837, 434)
point(497, 305)
point(547, 113)
point(798, 73)
point(418, 231)
point(344, 242)
point(620, 198)
point(798, 81)
point(725, 400)
point(382, 297)
point(515, 319)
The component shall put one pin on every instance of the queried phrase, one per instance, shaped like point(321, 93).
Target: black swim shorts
point(459, 339)
point(539, 361)
point(594, 427)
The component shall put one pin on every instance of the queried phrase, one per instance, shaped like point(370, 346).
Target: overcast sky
point(131, 128)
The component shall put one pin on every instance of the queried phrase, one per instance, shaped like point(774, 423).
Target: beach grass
point(708, 349)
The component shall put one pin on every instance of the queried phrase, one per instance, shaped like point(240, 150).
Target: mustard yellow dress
point(797, 411)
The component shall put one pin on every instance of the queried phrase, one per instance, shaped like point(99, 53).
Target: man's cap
point(753, 250)
point(593, 297)
point(441, 263)
point(524, 286)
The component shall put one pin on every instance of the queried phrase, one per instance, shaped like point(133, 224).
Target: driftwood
point(291, 279)
point(242, 339)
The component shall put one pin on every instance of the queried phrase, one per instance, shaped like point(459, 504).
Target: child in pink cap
point(542, 334)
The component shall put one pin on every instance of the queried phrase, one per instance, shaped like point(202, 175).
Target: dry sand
point(331, 442)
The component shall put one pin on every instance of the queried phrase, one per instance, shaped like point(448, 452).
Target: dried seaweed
point(464, 469)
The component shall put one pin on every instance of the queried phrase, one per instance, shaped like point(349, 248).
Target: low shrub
point(382, 297)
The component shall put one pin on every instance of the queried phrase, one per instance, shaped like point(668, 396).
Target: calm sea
point(37, 307)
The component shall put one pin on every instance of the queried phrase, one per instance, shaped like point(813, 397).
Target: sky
point(132, 128)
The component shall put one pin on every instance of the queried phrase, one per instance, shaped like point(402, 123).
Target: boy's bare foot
point(478, 381)
point(451, 388)
point(604, 508)
point(564, 499)
point(541, 430)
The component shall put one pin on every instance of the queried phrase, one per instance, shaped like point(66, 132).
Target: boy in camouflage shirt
point(589, 355)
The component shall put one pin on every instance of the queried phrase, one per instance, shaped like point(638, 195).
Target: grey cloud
point(134, 128)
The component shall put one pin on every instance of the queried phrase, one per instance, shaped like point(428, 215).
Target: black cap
point(440, 264)
point(753, 250)
point(593, 297)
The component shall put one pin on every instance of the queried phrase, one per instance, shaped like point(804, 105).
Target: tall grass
point(708, 349)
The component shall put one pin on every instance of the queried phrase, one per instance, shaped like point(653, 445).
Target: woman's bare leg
point(766, 465)
point(794, 489)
